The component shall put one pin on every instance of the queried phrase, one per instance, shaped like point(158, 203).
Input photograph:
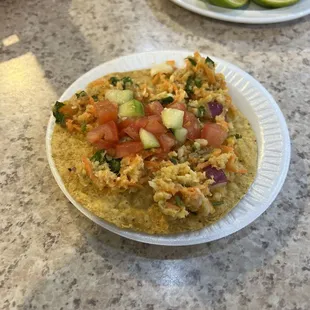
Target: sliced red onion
point(218, 175)
point(215, 108)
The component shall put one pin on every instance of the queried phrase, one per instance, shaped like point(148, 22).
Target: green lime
point(275, 3)
point(231, 4)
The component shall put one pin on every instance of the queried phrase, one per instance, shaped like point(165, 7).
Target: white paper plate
point(262, 112)
point(253, 14)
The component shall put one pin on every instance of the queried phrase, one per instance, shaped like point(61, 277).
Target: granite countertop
point(51, 256)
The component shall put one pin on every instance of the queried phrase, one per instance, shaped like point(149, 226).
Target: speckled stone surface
point(51, 256)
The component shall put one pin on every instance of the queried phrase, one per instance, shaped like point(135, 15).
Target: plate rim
point(241, 19)
point(165, 239)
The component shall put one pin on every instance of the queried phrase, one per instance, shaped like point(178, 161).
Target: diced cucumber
point(148, 139)
point(180, 134)
point(119, 96)
point(172, 118)
point(131, 108)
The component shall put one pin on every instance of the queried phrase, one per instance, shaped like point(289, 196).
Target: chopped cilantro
point(114, 165)
point(84, 127)
point(59, 117)
point(113, 80)
point(198, 83)
point(210, 62)
point(201, 111)
point(189, 85)
point(192, 61)
point(99, 156)
point(95, 97)
point(126, 80)
point(81, 94)
point(174, 160)
point(179, 202)
point(217, 203)
point(167, 100)
point(238, 136)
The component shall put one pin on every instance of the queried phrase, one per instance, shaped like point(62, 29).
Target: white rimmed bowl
point(254, 102)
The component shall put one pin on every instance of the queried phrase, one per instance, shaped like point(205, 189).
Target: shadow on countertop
point(52, 33)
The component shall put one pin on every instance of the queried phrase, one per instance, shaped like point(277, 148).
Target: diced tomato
point(153, 108)
point(154, 152)
point(95, 134)
point(167, 141)
point(125, 123)
point(128, 148)
point(106, 131)
point(150, 123)
point(214, 133)
point(179, 106)
point(140, 123)
point(111, 152)
point(132, 132)
point(191, 123)
point(154, 118)
point(106, 111)
point(104, 145)
point(132, 128)
point(111, 132)
point(156, 127)
point(122, 134)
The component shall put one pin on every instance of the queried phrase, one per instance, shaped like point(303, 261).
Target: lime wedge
point(231, 4)
point(275, 3)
